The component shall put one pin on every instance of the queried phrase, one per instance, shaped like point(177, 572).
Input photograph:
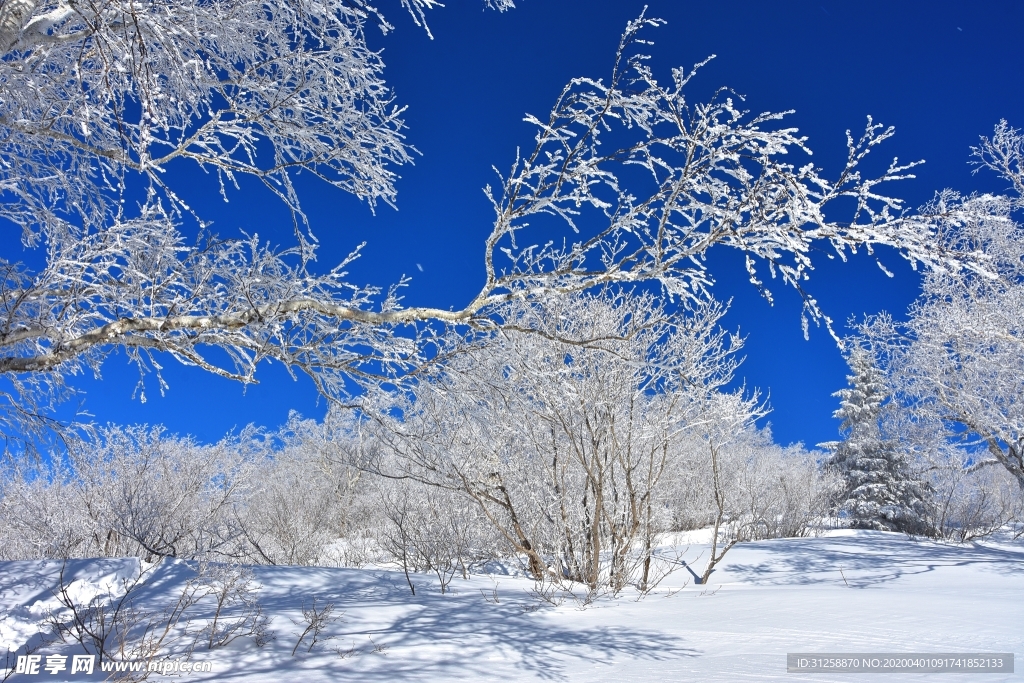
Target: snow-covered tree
point(560, 428)
point(959, 359)
point(99, 98)
point(881, 490)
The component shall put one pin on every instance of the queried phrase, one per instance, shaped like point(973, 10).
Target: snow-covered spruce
point(880, 489)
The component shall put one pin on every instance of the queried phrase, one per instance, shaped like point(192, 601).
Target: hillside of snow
point(843, 592)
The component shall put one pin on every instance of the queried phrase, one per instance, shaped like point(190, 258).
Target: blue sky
point(942, 72)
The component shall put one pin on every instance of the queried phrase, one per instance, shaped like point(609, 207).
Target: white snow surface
point(846, 591)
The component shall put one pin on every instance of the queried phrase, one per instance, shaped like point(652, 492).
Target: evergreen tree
point(881, 492)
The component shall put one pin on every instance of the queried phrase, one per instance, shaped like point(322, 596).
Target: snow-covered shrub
point(167, 496)
point(310, 506)
point(237, 613)
point(111, 622)
point(969, 502)
point(781, 491)
point(42, 518)
point(120, 618)
point(426, 529)
point(285, 498)
point(135, 491)
point(768, 491)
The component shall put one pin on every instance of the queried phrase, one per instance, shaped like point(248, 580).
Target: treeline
point(295, 497)
point(573, 442)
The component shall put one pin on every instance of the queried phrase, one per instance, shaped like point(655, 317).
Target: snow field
point(848, 591)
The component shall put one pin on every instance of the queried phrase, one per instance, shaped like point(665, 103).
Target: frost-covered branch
point(139, 287)
point(645, 181)
point(714, 176)
point(100, 94)
point(959, 359)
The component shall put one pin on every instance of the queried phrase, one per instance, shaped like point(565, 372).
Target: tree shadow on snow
point(862, 560)
point(386, 633)
point(434, 636)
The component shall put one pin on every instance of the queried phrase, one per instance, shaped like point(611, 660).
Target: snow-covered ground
point(843, 592)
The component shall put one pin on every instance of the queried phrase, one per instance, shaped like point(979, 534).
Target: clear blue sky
point(942, 72)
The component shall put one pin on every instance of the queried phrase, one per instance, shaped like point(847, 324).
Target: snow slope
point(843, 592)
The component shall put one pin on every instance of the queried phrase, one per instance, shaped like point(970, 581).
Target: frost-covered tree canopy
point(959, 360)
point(100, 96)
point(98, 100)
